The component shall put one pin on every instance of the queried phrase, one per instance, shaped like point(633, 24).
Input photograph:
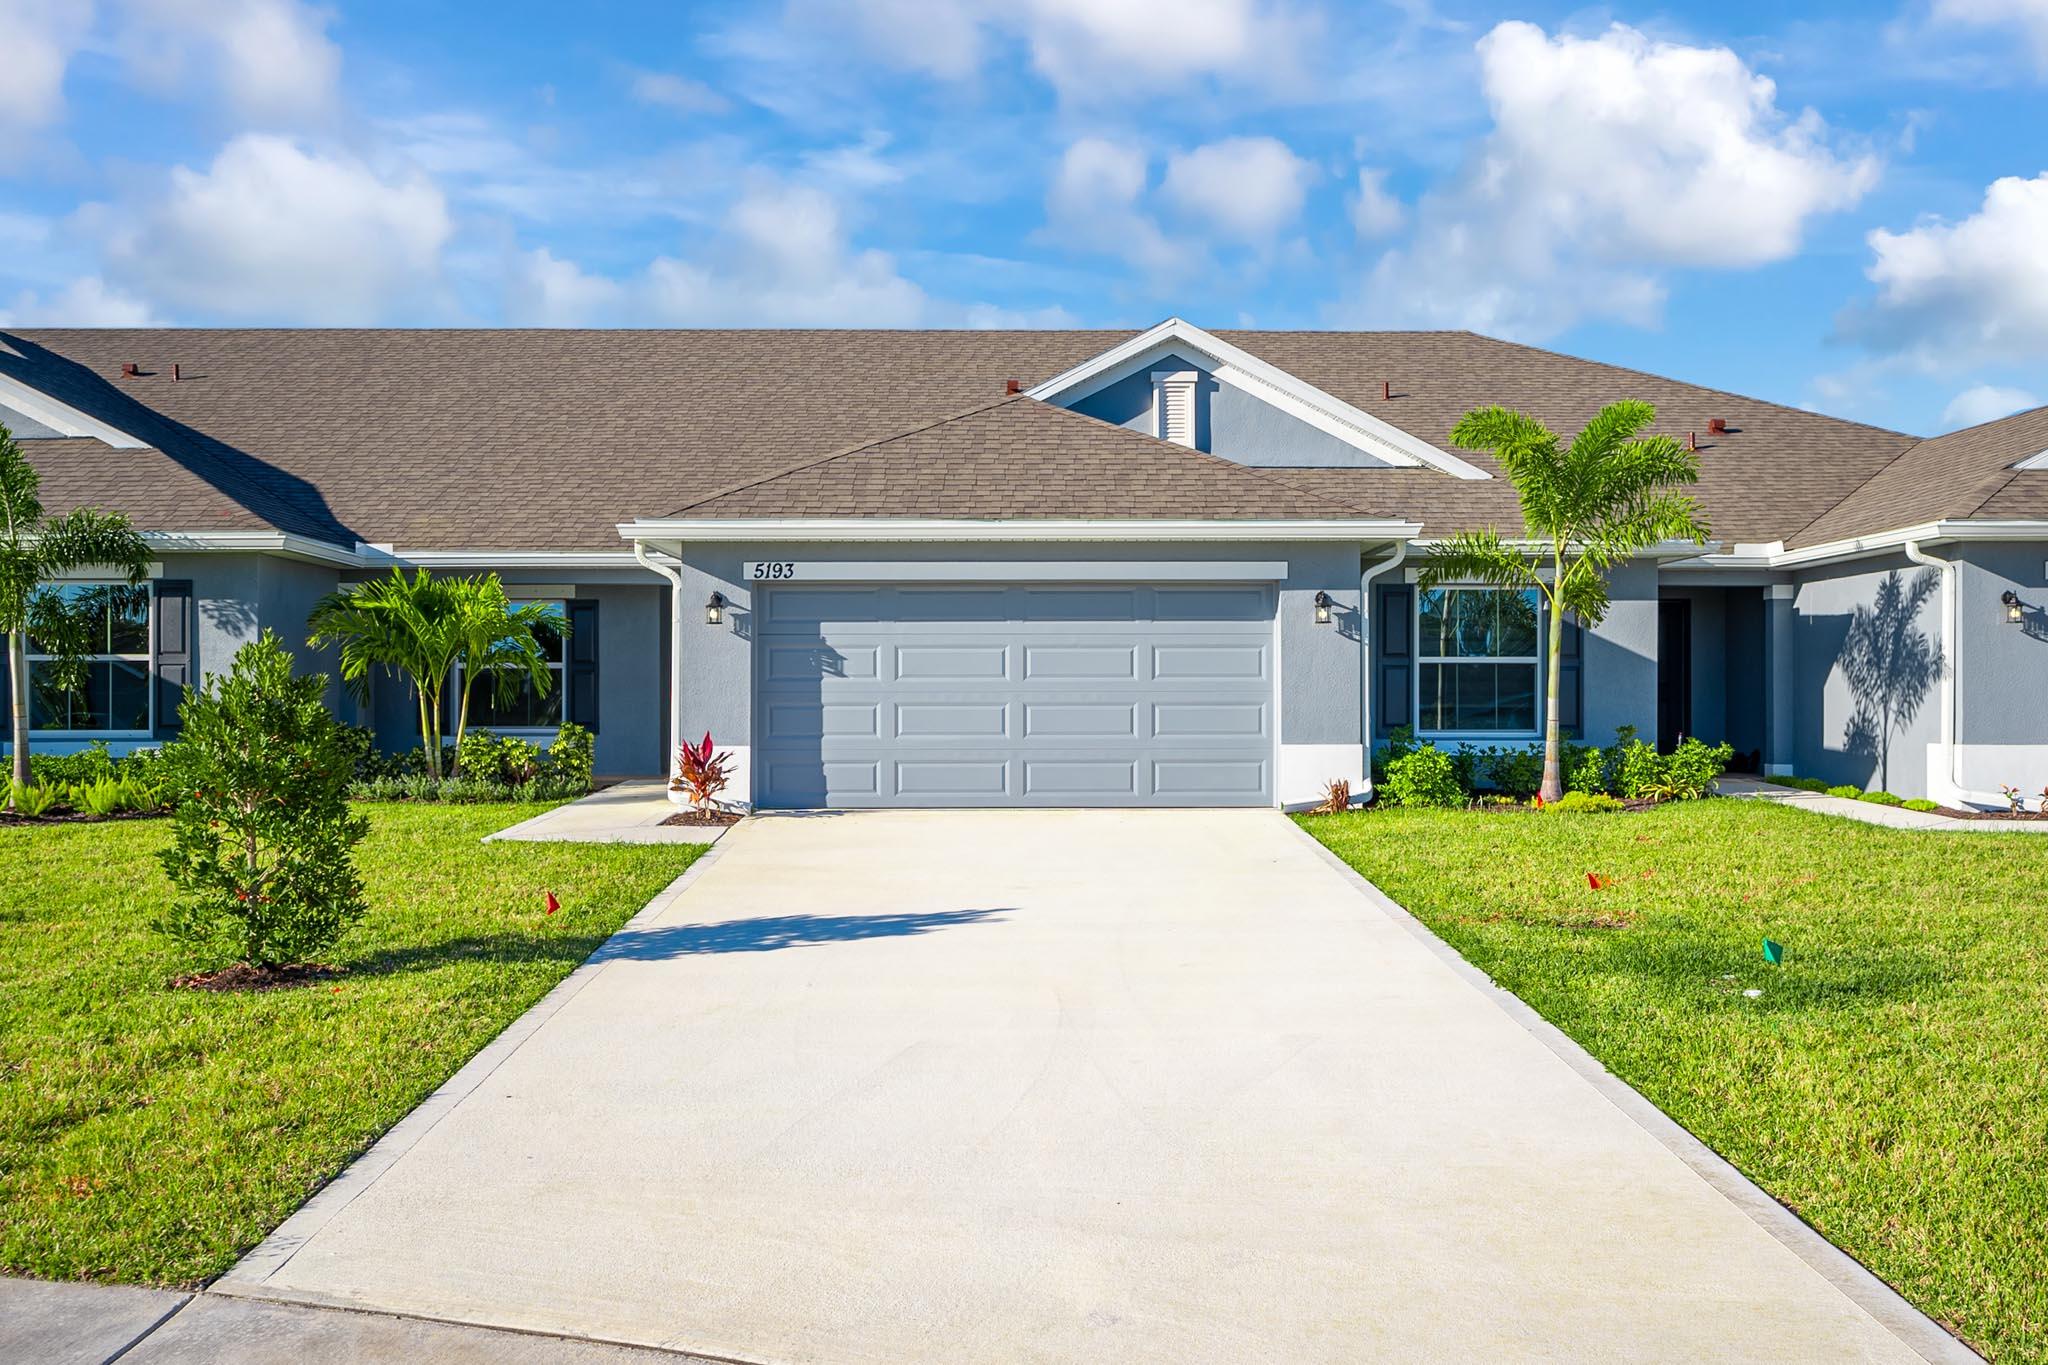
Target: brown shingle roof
point(1016, 458)
point(1966, 473)
point(543, 439)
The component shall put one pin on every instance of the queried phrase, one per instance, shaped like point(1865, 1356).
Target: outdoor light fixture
point(2012, 606)
point(714, 610)
point(1322, 609)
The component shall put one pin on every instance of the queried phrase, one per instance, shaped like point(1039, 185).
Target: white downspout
point(1365, 618)
point(675, 647)
point(1951, 674)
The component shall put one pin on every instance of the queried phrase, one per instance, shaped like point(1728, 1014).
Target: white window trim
point(1469, 737)
point(147, 659)
point(560, 668)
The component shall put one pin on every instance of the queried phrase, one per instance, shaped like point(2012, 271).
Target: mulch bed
point(72, 817)
point(1952, 813)
point(702, 818)
point(243, 977)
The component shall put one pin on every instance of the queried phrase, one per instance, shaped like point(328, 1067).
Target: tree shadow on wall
point(1890, 665)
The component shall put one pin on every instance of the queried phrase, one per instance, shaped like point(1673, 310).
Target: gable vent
point(1173, 401)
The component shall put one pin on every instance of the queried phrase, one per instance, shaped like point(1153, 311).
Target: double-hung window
point(112, 621)
point(1476, 660)
point(521, 707)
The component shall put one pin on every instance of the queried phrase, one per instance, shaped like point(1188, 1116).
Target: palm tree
point(499, 642)
point(425, 627)
point(404, 623)
point(1587, 507)
point(35, 547)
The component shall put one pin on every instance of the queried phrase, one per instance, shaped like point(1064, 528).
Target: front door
point(1674, 672)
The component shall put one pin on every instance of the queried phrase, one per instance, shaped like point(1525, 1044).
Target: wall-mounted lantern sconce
point(1322, 609)
point(714, 610)
point(2013, 612)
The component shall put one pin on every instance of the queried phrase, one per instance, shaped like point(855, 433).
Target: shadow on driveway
point(771, 932)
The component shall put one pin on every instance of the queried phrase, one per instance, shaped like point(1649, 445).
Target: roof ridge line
point(816, 460)
point(1875, 475)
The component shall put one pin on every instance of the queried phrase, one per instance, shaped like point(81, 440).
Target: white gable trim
point(1242, 370)
point(2036, 461)
point(62, 417)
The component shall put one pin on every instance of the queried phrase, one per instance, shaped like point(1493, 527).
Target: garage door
point(1052, 695)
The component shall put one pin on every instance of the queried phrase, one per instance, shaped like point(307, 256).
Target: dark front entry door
point(1674, 672)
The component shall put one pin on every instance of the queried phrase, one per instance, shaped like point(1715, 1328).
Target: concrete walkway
point(89, 1324)
point(624, 813)
point(1869, 812)
point(1062, 1086)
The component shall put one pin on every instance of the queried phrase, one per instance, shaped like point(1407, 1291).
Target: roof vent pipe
point(1012, 386)
point(1386, 390)
point(1717, 426)
point(129, 369)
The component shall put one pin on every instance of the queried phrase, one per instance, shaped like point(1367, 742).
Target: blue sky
point(1844, 208)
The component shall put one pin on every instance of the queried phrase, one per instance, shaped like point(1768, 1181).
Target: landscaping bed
point(152, 1134)
point(1888, 1081)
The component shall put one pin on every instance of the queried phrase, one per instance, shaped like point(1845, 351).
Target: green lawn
point(1891, 1082)
point(154, 1135)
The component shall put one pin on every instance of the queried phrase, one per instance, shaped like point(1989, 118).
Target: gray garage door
point(1052, 695)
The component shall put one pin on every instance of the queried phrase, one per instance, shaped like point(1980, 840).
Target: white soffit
point(1244, 371)
point(62, 417)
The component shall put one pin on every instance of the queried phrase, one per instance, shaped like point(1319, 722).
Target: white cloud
point(1088, 49)
point(272, 59)
point(1611, 159)
point(1954, 292)
point(38, 38)
point(1247, 188)
point(276, 231)
point(1374, 212)
point(1093, 204)
point(1986, 403)
point(2029, 17)
point(546, 291)
point(678, 93)
point(87, 301)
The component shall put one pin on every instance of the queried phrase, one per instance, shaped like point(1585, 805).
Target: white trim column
point(1780, 753)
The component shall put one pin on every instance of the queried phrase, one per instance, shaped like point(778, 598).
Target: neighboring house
point(1042, 568)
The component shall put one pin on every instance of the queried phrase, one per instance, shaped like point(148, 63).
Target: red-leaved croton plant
point(701, 773)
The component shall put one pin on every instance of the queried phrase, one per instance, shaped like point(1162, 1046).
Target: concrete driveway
point(1059, 1086)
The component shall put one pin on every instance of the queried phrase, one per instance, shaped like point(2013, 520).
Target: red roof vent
point(129, 369)
point(1717, 426)
point(1013, 386)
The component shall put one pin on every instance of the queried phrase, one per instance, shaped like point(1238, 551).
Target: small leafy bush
point(1881, 799)
point(569, 762)
point(1690, 769)
point(106, 796)
point(1920, 803)
point(1425, 776)
point(1634, 768)
point(263, 844)
point(1805, 784)
point(1852, 793)
point(1512, 772)
point(507, 761)
point(33, 799)
point(701, 773)
point(1583, 803)
point(1585, 769)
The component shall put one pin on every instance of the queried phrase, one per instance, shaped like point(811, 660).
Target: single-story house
point(937, 568)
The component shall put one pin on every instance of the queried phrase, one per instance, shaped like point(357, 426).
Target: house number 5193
point(771, 570)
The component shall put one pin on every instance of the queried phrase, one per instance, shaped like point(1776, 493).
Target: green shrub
point(1805, 784)
point(1634, 769)
point(570, 761)
point(485, 756)
point(103, 797)
point(1690, 769)
point(33, 799)
point(1512, 772)
point(263, 841)
point(1882, 799)
point(1583, 803)
point(1399, 743)
point(1426, 776)
point(1585, 769)
point(1847, 791)
point(1920, 803)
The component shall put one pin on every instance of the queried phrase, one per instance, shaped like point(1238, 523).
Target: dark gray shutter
point(173, 663)
point(1571, 679)
point(582, 669)
point(1393, 658)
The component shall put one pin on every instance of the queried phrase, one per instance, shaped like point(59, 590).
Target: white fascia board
point(1241, 369)
point(1774, 555)
point(281, 543)
point(917, 529)
point(62, 417)
point(2036, 461)
point(1663, 549)
point(497, 559)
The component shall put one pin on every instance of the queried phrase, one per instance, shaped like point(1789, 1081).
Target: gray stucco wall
point(1319, 665)
point(238, 596)
point(1621, 658)
point(2004, 675)
point(1830, 741)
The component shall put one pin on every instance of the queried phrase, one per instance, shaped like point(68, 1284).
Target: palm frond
point(85, 537)
point(1477, 557)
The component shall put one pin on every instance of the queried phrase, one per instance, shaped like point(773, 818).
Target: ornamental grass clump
point(263, 839)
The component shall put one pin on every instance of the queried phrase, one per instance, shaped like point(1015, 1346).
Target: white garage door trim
point(771, 571)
